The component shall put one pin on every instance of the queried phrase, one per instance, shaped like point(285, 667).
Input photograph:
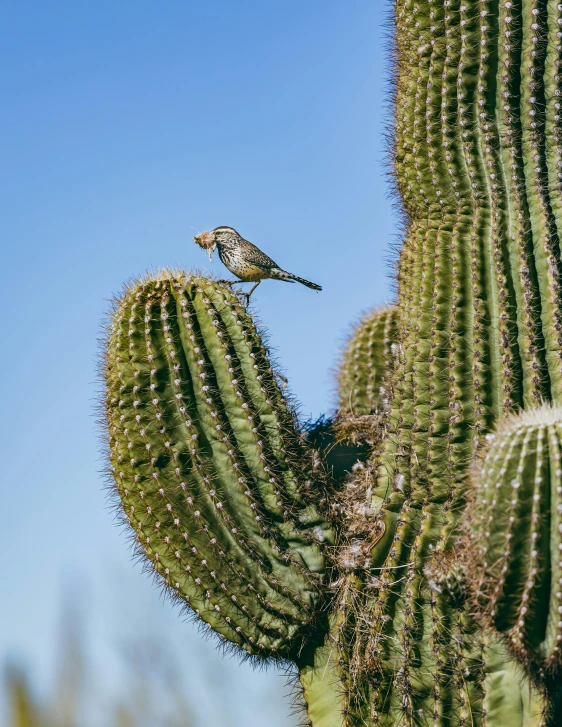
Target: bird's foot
point(243, 297)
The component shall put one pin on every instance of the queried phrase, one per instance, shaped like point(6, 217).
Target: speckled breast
point(239, 266)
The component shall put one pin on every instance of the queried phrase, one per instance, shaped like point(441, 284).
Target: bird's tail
point(289, 278)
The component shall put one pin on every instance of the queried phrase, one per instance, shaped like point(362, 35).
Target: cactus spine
point(359, 584)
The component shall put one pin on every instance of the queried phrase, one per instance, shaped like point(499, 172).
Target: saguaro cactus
point(363, 585)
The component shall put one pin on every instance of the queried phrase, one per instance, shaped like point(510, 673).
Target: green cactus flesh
point(357, 580)
point(479, 308)
point(477, 152)
point(207, 464)
point(515, 535)
point(363, 375)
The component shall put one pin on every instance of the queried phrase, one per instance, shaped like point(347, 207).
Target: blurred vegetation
point(151, 685)
point(130, 666)
point(25, 712)
point(153, 695)
point(147, 679)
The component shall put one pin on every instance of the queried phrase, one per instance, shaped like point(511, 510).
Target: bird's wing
point(258, 258)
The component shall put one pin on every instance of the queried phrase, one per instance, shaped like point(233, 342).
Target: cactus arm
point(364, 378)
point(515, 537)
point(366, 363)
point(202, 449)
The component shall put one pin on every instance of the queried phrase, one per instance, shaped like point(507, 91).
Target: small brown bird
point(245, 260)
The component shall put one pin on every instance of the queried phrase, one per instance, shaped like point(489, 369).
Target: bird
point(244, 259)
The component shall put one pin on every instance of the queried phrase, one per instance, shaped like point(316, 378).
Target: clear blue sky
point(125, 128)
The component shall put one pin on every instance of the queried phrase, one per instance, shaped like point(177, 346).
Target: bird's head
point(217, 237)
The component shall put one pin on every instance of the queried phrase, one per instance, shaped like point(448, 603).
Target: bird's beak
point(210, 252)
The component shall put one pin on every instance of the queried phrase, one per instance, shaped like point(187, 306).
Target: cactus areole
point(425, 587)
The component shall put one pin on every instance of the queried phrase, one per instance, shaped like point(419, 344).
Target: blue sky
point(125, 128)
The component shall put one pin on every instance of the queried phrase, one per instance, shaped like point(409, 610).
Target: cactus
point(364, 378)
point(361, 582)
point(208, 466)
point(515, 536)
point(364, 374)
